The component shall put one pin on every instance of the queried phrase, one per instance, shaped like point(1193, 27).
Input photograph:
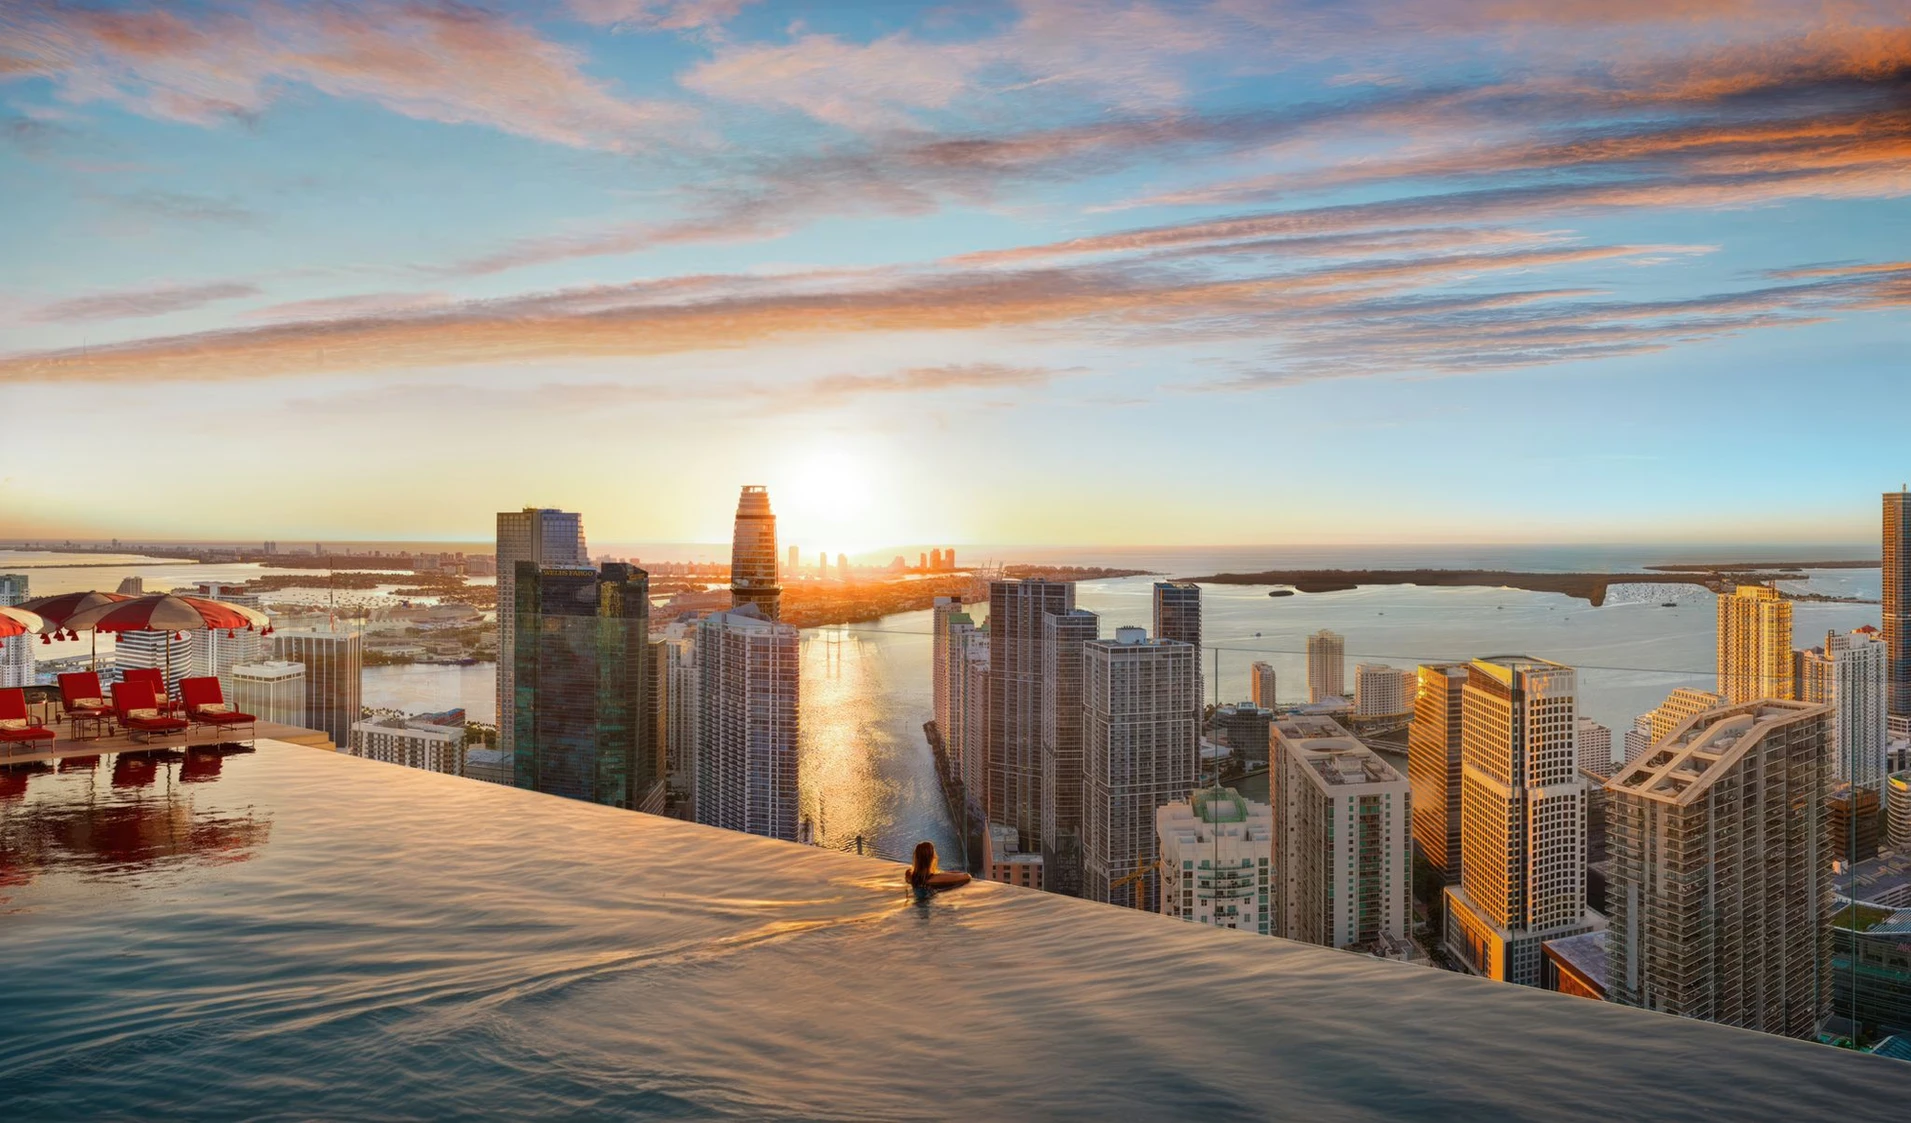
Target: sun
point(827, 502)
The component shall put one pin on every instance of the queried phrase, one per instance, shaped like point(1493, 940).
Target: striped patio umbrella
point(56, 610)
point(19, 622)
point(163, 612)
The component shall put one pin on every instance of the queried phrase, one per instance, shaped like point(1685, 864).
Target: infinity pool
point(294, 934)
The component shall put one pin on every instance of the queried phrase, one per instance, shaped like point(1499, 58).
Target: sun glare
point(828, 503)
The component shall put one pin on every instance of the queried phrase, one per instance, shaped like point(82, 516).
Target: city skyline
point(839, 248)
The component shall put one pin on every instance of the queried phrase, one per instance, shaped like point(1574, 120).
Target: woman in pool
point(923, 877)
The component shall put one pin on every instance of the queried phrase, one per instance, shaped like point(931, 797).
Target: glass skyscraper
point(581, 685)
point(753, 578)
point(1897, 600)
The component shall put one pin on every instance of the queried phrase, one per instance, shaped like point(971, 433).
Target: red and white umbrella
point(19, 622)
point(56, 610)
point(163, 612)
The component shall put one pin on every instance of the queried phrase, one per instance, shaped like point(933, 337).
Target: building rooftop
point(296, 933)
point(1884, 880)
point(1335, 754)
point(1586, 953)
point(1682, 766)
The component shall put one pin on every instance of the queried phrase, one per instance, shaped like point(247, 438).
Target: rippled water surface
point(293, 934)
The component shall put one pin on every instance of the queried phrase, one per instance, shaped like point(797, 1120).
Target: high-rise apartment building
point(1177, 614)
point(1016, 609)
point(940, 687)
point(978, 688)
point(1897, 598)
point(542, 536)
point(954, 631)
point(413, 744)
point(1344, 855)
point(1433, 765)
point(1523, 818)
point(1755, 644)
point(1720, 892)
point(1217, 854)
point(1063, 635)
point(1139, 747)
point(1260, 685)
point(583, 685)
point(1849, 674)
point(753, 577)
point(1654, 724)
point(1383, 691)
point(334, 662)
point(1595, 747)
point(270, 691)
point(683, 717)
point(747, 762)
point(215, 651)
point(16, 652)
point(1326, 666)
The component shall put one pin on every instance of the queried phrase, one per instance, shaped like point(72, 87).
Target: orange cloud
point(436, 62)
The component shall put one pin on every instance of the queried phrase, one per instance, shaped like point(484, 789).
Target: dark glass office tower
point(1016, 609)
point(1897, 600)
point(1063, 635)
point(1178, 613)
point(753, 576)
point(582, 685)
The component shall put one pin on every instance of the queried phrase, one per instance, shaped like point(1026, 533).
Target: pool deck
point(68, 745)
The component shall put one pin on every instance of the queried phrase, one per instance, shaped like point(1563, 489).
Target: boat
point(1281, 593)
point(1670, 604)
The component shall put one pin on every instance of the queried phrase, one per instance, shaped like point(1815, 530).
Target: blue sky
point(1045, 271)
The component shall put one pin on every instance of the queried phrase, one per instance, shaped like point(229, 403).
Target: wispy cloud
point(127, 304)
point(434, 61)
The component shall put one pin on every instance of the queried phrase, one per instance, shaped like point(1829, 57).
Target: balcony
point(213, 934)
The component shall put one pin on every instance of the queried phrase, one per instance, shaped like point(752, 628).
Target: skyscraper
point(1344, 853)
point(1016, 609)
point(1897, 597)
point(1326, 666)
point(1848, 674)
point(1433, 765)
point(1062, 638)
point(1138, 753)
point(683, 719)
point(542, 536)
point(1383, 691)
point(1720, 892)
point(941, 690)
point(747, 762)
point(272, 691)
point(1261, 685)
point(16, 652)
point(583, 686)
point(796, 558)
point(333, 664)
point(1523, 824)
point(214, 652)
point(1216, 860)
point(753, 577)
point(978, 688)
point(1595, 747)
point(1755, 644)
point(1178, 613)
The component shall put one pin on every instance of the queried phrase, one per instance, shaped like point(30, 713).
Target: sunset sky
point(1048, 271)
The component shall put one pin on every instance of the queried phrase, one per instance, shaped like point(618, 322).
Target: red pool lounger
point(155, 678)
point(206, 703)
point(138, 710)
point(16, 726)
point(84, 701)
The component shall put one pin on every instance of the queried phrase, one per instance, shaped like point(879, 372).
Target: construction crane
point(1144, 866)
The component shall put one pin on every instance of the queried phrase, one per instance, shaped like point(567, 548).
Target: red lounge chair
point(84, 701)
point(16, 727)
point(205, 703)
point(155, 678)
point(137, 708)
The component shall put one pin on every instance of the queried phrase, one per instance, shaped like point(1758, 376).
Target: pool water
point(289, 933)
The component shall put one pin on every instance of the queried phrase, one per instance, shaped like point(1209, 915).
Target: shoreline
point(1590, 587)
